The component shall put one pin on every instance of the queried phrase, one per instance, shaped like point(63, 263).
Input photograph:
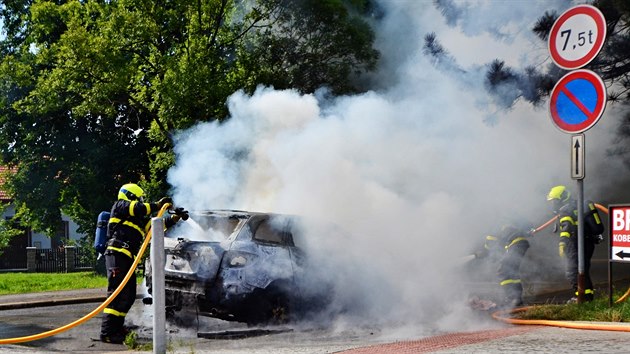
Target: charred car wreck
point(240, 266)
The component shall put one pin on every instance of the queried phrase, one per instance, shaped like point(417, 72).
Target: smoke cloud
point(413, 171)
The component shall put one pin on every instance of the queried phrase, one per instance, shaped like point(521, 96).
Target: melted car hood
point(198, 259)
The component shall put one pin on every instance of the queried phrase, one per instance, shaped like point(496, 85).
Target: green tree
point(507, 85)
point(612, 64)
point(311, 44)
point(91, 90)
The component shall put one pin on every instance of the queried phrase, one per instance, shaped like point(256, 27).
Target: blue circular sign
point(577, 101)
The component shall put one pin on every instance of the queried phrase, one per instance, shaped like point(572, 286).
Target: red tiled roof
point(4, 196)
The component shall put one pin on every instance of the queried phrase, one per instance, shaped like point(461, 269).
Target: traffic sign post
point(577, 36)
point(578, 99)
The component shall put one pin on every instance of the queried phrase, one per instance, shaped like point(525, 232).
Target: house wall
point(40, 240)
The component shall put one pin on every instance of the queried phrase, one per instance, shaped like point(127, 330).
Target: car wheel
point(265, 307)
point(278, 307)
point(280, 311)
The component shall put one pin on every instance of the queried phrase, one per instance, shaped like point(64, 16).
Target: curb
point(51, 302)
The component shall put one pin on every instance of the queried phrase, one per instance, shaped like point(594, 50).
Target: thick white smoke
point(413, 170)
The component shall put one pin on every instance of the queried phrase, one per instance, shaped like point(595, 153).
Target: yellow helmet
point(130, 191)
point(560, 193)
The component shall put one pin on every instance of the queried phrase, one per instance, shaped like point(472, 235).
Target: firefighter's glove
point(163, 201)
point(561, 249)
point(182, 213)
point(170, 220)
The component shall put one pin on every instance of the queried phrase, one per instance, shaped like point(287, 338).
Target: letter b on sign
point(620, 220)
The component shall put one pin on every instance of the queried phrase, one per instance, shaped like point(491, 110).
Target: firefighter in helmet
point(565, 208)
point(507, 249)
point(128, 224)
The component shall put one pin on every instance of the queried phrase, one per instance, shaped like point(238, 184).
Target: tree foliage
point(612, 64)
point(91, 90)
point(533, 84)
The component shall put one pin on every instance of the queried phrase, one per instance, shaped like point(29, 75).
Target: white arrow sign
point(577, 156)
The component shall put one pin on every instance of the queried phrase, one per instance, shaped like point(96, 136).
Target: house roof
point(4, 196)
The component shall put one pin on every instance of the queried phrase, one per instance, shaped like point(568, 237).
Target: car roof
point(238, 213)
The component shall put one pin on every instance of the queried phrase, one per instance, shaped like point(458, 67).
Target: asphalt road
point(492, 337)
point(216, 335)
point(488, 337)
point(228, 337)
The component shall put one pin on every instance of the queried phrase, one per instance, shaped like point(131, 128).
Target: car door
point(272, 262)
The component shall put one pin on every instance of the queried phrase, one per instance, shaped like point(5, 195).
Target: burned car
point(240, 266)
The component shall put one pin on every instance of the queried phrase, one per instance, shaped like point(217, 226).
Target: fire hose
point(499, 315)
point(100, 308)
point(550, 221)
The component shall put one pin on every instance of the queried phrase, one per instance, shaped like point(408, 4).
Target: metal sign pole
point(580, 219)
point(576, 90)
point(158, 292)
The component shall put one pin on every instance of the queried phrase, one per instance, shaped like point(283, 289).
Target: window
point(60, 238)
point(21, 241)
point(268, 232)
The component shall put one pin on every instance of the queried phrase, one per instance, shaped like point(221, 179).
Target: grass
point(20, 283)
point(597, 310)
point(131, 341)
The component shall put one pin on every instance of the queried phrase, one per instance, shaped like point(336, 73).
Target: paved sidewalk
point(513, 339)
point(52, 298)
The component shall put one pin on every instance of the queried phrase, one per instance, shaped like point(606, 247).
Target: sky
point(418, 170)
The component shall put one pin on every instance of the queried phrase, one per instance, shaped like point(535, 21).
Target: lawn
point(597, 310)
point(20, 283)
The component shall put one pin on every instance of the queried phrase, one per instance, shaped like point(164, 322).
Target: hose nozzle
point(181, 212)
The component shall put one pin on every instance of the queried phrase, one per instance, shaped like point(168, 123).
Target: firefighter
point(127, 227)
point(565, 208)
point(507, 249)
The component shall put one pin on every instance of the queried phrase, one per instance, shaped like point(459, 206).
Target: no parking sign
point(577, 101)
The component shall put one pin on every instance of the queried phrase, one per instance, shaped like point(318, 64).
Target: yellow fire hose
point(498, 315)
point(98, 309)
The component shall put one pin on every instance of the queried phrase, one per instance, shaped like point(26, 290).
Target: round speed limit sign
point(577, 36)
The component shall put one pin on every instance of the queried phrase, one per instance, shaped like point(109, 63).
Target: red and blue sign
point(577, 101)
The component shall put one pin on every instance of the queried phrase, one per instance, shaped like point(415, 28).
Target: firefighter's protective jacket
point(568, 248)
point(567, 222)
point(507, 250)
point(128, 224)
